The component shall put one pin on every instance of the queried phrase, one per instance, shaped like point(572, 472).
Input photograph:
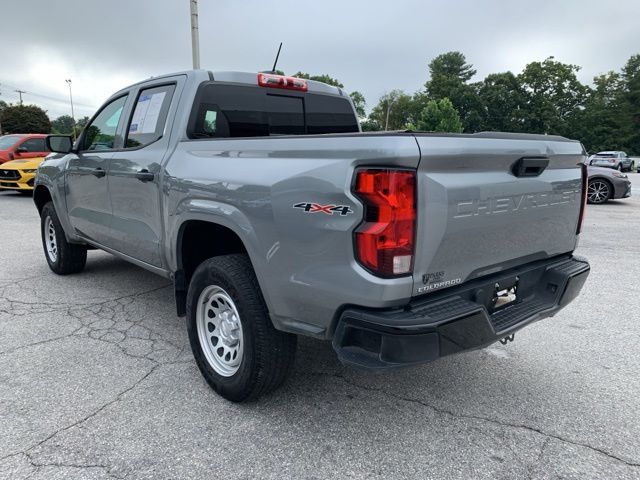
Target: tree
point(393, 111)
point(440, 116)
point(449, 75)
point(3, 105)
point(82, 122)
point(359, 103)
point(503, 99)
point(553, 94)
point(630, 104)
point(599, 123)
point(320, 78)
point(63, 125)
point(24, 119)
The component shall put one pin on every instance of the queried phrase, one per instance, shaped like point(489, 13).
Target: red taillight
point(280, 81)
point(385, 240)
point(583, 195)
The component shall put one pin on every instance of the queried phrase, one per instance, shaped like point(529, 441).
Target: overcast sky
point(372, 46)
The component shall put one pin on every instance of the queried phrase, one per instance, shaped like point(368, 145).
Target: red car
point(17, 146)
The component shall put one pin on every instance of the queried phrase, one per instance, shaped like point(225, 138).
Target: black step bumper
point(459, 318)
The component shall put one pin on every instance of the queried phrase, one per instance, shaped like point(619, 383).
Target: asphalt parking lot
point(97, 381)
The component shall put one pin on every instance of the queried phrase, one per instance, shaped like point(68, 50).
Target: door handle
point(529, 166)
point(145, 175)
point(98, 172)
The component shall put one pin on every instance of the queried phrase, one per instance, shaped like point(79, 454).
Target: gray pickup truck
point(274, 216)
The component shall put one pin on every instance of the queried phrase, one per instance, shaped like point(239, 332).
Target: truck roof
point(248, 78)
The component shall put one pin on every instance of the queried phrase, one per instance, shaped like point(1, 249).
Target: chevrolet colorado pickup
point(274, 216)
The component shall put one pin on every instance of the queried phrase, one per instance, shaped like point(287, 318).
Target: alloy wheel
point(598, 191)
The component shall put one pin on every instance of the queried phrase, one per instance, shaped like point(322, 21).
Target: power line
point(48, 97)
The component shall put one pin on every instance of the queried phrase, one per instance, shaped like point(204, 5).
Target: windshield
point(8, 141)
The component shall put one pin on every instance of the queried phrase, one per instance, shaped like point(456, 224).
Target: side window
point(34, 145)
point(149, 116)
point(100, 134)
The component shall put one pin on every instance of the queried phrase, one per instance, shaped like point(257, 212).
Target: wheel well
point(41, 196)
point(198, 241)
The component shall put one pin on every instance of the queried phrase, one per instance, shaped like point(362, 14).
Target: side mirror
point(59, 143)
point(21, 150)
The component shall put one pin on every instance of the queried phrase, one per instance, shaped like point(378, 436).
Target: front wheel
point(599, 191)
point(63, 257)
point(237, 349)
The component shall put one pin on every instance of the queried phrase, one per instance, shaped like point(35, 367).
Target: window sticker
point(146, 114)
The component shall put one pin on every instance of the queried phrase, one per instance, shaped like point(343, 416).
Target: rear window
point(245, 111)
point(605, 155)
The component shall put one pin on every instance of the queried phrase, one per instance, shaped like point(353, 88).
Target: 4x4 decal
point(310, 207)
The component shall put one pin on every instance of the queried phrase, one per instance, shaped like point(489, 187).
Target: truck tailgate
point(478, 213)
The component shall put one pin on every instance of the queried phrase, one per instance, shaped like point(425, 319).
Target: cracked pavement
point(97, 381)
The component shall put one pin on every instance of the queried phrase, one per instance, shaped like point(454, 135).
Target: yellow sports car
point(19, 174)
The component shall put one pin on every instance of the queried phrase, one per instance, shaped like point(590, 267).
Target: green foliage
point(503, 98)
point(359, 103)
point(320, 78)
point(630, 104)
point(62, 125)
point(82, 122)
point(439, 116)
point(394, 111)
point(3, 105)
point(449, 75)
point(553, 94)
point(24, 119)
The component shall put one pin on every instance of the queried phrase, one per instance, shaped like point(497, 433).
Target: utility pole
point(20, 92)
point(386, 123)
point(73, 117)
point(195, 42)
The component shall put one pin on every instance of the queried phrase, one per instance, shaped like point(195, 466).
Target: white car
point(612, 159)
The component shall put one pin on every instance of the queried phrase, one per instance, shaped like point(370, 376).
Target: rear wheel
point(63, 257)
point(237, 349)
point(599, 191)
point(620, 167)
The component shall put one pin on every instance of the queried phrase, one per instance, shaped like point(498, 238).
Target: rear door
point(135, 171)
point(487, 203)
point(87, 189)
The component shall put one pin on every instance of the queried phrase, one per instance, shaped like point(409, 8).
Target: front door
point(86, 175)
point(134, 174)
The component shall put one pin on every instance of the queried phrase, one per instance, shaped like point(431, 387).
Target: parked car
point(613, 159)
point(19, 174)
point(21, 146)
point(606, 184)
point(274, 216)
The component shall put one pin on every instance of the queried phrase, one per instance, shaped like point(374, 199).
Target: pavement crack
point(494, 421)
point(28, 452)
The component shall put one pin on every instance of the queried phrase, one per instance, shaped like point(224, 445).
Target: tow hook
point(507, 339)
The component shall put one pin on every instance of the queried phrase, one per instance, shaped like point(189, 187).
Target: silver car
point(606, 184)
point(612, 159)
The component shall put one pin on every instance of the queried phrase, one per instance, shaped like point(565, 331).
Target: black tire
point(620, 167)
point(267, 354)
point(69, 257)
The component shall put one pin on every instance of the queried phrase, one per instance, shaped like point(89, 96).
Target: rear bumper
point(458, 319)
